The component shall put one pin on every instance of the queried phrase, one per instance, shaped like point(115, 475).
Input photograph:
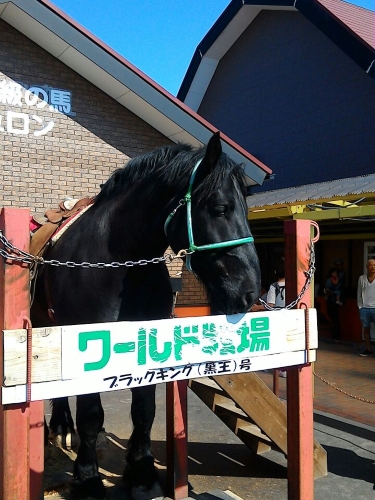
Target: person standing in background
point(338, 263)
point(276, 292)
point(275, 297)
point(333, 292)
point(333, 287)
point(366, 304)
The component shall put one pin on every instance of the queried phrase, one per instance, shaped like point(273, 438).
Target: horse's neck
point(134, 227)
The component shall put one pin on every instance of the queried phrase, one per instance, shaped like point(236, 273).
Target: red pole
point(299, 380)
point(177, 431)
point(177, 440)
point(21, 425)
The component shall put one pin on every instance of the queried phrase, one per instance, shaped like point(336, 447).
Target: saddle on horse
point(49, 223)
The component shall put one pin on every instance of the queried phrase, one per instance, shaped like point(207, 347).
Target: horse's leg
point(140, 471)
point(89, 418)
point(61, 423)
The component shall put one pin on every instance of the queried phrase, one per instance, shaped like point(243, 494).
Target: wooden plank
point(254, 397)
point(253, 430)
point(249, 433)
point(213, 396)
point(243, 421)
point(89, 384)
point(209, 391)
point(100, 349)
point(50, 346)
point(46, 354)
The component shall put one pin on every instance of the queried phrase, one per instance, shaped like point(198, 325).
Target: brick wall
point(47, 155)
point(193, 292)
point(39, 168)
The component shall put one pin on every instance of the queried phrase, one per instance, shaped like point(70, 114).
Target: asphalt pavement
point(220, 466)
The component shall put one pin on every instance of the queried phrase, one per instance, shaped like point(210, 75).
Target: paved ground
point(221, 466)
point(341, 366)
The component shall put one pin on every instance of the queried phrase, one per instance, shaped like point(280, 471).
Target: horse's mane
point(170, 166)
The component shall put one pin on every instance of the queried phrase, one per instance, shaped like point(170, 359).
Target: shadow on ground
point(347, 463)
point(207, 463)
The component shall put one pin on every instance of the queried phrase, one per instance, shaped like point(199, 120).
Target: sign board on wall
point(80, 359)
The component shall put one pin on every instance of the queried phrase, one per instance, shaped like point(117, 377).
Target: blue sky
point(157, 36)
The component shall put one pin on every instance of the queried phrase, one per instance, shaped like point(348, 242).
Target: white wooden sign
point(82, 359)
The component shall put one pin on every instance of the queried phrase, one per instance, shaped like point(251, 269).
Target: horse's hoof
point(91, 489)
point(142, 493)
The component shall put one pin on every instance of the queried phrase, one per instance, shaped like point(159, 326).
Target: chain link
point(10, 252)
point(342, 391)
point(309, 277)
point(16, 254)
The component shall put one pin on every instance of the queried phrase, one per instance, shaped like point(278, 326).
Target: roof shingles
point(359, 20)
point(323, 190)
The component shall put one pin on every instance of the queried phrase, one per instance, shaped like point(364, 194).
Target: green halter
point(192, 247)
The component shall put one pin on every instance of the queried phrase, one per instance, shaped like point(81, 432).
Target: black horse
point(136, 215)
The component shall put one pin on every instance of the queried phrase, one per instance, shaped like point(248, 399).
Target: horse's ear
point(210, 159)
point(213, 151)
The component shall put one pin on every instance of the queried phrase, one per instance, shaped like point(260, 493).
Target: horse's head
point(218, 233)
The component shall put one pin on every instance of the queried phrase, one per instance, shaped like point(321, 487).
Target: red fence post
point(177, 425)
point(21, 425)
point(177, 440)
point(299, 380)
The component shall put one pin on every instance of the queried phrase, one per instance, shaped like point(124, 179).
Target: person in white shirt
point(276, 297)
point(366, 304)
point(276, 292)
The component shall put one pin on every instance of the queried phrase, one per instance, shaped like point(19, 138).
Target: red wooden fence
point(21, 426)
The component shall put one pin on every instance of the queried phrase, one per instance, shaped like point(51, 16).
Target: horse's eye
point(220, 210)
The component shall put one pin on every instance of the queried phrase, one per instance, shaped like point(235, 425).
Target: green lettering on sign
point(209, 333)
point(181, 340)
point(259, 324)
point(154, 353)
point(243, 332)
point(142, 346)
point(105, 337)
point(260, 341)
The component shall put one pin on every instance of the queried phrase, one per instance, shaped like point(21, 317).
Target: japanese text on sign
point(40, 97)
point(250, 337)
point(162, 344)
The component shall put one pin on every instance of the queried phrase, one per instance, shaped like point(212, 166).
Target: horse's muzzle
point(239, 306)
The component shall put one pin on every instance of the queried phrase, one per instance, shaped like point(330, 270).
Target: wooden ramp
point(253, 412)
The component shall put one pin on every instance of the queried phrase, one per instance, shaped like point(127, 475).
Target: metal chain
point(309, 276)
point(343, 392)
point(26, 258)
point(16, 254)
